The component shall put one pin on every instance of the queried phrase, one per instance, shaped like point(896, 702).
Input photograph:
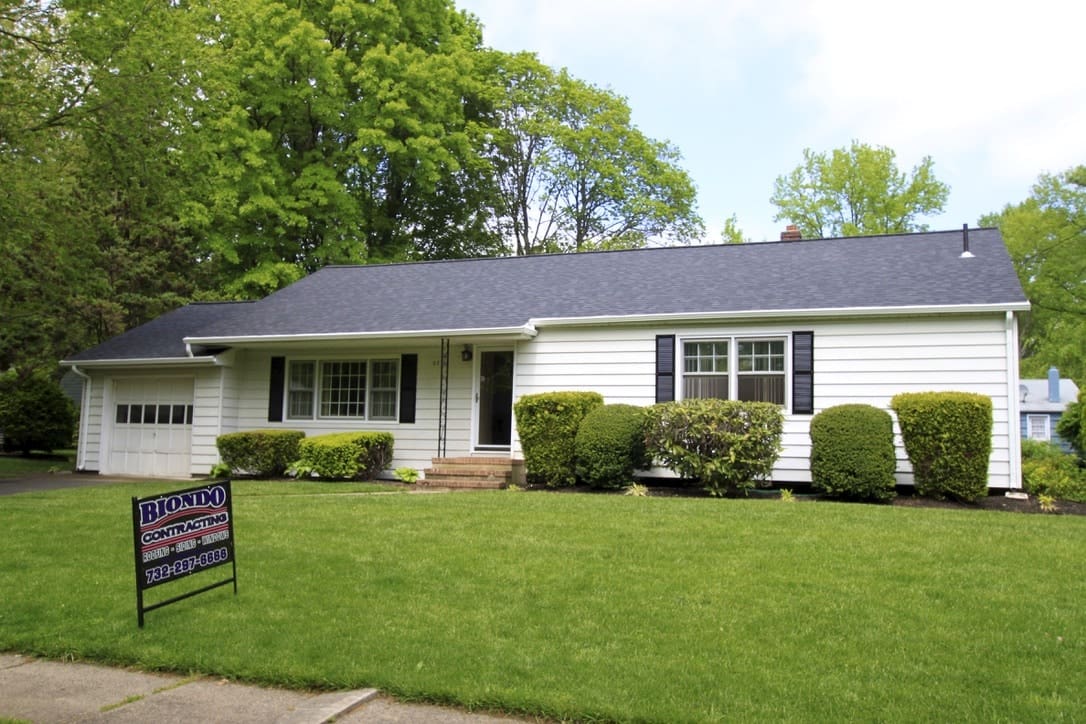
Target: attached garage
point(151, 430)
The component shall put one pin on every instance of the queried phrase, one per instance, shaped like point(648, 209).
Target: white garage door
point(152, 427)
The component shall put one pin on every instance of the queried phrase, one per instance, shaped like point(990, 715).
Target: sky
point(994, 92)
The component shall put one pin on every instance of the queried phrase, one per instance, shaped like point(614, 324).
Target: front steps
point(477, 473)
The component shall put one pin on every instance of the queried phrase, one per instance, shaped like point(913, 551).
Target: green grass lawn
point(15, 466)
point(585, 606)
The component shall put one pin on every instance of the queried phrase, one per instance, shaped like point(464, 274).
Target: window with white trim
point(1037, 427)
point(750, 369)
point(356, 389)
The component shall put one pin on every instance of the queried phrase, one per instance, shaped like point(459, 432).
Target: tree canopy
point(1046, 237)
point(153, 153)
point(857, 190)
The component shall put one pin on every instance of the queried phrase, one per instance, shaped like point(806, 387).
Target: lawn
point(16, 466)
point(585, 607)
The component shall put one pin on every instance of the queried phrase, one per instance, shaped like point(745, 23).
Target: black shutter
point(275, 389)
point(665, 367)
point(803, 373)
point(409, 380)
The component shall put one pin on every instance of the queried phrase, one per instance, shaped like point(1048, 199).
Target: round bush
point(610, 445)
point(260, 453)
point(547, 425)
point(35, 414)
point(852, 452)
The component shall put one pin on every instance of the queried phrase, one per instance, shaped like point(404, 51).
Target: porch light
point(466, 353)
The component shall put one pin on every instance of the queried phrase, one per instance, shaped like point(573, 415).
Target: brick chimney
point(791, 233)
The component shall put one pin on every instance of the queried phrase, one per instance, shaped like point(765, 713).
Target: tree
point(35, 414)
point(732, 234)
point(857, 190)
point(1046, 237)
point(573, 172)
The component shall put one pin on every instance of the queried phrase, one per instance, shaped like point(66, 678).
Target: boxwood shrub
point(260, 453)
point(610, 445)
point(345, 455)
point(852, 453)
point(728, 445)
point(1048, 470)
point(547, 425)
point(948, 438)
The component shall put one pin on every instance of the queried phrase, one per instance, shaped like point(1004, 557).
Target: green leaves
point(857, 190)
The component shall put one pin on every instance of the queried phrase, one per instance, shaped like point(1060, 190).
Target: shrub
point(261, 453)
point(1071, 426)
point(727, 445)
point(35, 414)
point(852, 452)
point(547, 425)
point(610, 445)
point(948, 438)
point(346, 455)
point(1048, 470)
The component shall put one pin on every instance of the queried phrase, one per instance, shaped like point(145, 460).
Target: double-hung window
point(749, 369)
point(357, 389)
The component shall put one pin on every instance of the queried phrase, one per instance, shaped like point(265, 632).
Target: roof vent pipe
point(1053, 384)
point(966, 254)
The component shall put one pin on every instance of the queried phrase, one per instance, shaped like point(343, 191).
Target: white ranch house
point(436, 352)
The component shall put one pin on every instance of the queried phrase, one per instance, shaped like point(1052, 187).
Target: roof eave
point(198, 361)
point(526, 331)
point(834, 312)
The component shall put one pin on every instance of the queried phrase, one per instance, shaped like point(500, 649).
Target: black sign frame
point(180, 533)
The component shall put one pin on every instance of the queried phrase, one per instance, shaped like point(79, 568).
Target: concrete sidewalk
point(50, 691)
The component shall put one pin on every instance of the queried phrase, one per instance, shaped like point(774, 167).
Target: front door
point(494, 400)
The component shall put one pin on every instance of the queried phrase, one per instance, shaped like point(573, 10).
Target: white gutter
point(142, 362)
point(526, 331)
point(84, 408)
point(837, 312)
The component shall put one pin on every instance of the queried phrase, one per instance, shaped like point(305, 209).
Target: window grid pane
point(300, 390)
point(343, 389)
point(383, 389)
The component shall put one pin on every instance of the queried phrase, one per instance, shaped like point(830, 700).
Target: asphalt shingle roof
point(892, 271)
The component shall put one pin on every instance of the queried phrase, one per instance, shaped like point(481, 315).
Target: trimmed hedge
point(728, 445)
point(261, 453)
point(547, 425)
point(852, 452)
point(610, 445)
point(345, 455)
point(948, 438)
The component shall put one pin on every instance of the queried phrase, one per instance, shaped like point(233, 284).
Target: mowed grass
point(14, 465)
point(585, 607)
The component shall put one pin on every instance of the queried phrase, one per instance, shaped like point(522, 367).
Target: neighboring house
point(1041, 404)
point(437, 352)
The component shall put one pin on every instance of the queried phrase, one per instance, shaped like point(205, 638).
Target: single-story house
point(437, 352)
point(1041, 404)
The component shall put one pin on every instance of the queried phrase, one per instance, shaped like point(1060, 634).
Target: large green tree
point(1046, 237)
point(857, 190)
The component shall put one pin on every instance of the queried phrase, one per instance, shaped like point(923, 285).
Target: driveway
point(56, 481)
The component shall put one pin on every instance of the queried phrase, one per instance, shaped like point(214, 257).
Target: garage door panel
point(152, 426)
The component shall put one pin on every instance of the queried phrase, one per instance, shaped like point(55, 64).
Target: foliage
point(220, 470)
point(610, 445)
point(382, 574)
point(728, 445)
point(732, 234)
point(636, 490)
point(852, 452)
point(547, 425)
point(857, 190)
point(1072, 425)
point(407, 475)
point(787, 496)
point(573, 172)
point(346, 455)
point(948, 438)
point(261, 453)
point(1047, 470)
point(1046, 238)
point(35, 414)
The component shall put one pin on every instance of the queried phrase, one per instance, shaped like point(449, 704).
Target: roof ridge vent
point(966, 254)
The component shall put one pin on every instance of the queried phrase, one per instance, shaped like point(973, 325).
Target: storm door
point(494, 400)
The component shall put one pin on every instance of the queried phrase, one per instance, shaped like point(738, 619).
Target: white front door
point(152, 426)
point(493, 399)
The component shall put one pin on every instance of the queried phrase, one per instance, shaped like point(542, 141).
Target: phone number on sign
point(187, 565)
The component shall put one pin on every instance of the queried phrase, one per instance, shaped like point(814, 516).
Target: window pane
point(188, 415)
point(762, 388)
point(163, 414)
point(705, 386)
point(135, 413)
point(343, 389)
point(705, 357)
point(177, 415)
point(300, 390)
point(383, 389)
point(149, 414)
point(122, 414)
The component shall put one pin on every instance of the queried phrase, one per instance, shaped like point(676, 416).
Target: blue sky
point(994, 92)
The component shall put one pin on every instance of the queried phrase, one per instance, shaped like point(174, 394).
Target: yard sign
point(180, 533)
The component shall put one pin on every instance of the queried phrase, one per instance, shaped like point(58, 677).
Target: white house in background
point(437, 352)
point(1041, 405)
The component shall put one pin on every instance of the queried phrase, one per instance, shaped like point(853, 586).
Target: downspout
point(84, 410)
point(1014, 427)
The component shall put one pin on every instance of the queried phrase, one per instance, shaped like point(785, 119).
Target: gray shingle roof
point(893, 271)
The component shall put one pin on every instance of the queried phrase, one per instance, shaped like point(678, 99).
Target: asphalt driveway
point(56, 481)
